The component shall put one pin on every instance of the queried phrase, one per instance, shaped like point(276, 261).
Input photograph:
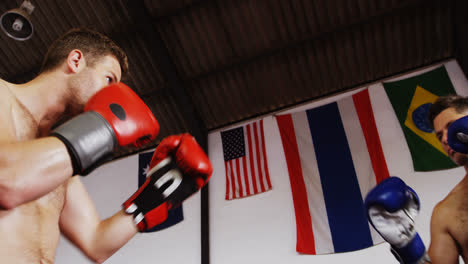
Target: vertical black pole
point(159, 54)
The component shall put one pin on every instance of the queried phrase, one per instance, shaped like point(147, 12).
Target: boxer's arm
point(31, 169)
point(443, 248)
point(80, 223)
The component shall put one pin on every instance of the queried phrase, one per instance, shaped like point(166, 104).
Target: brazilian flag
point(411, 99)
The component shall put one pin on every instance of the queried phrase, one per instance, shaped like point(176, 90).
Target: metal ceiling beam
point(268, 52)
point(159, 53)
point(182, 10)
point(461, 38)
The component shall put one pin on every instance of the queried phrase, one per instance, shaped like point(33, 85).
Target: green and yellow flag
point(411, 99)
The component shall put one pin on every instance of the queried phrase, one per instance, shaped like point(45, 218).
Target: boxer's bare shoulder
point(451, 215)
point(460, 225)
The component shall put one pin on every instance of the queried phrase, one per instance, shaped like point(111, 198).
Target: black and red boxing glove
point(178, 169)
point(113, 117)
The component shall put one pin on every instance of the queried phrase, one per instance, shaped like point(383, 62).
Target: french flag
point(334, 157)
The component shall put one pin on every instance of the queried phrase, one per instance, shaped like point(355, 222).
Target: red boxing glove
point(130, 118)
point(114, 116)
point(178, 169)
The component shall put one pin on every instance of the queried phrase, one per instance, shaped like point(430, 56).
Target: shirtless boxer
point(449, 238)
point(38, 197)
point(393, 206)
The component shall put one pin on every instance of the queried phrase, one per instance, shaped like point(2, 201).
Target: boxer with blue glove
point(449, 231)
point(448, 116)
point(392, 207)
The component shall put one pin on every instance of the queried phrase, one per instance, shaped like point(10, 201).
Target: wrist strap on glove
point(89, 139)
point(413, 253)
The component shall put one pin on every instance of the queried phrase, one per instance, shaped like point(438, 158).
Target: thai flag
point(334, 157)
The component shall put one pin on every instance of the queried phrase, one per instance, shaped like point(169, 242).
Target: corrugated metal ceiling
point(239, 59)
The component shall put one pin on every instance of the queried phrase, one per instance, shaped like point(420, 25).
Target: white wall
point(109, 186)
point(262, 229)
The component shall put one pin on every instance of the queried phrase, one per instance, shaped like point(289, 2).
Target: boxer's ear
point(75, 61)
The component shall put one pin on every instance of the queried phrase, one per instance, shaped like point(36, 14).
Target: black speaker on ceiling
point(16, 23)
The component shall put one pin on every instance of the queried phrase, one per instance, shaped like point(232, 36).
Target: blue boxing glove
point(457, 135)
point(392, 207)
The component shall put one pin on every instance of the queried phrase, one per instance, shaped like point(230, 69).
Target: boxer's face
point(441, 124)
point(92, 78)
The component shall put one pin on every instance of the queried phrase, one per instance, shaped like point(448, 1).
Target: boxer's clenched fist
point(178, 169)
point(392, 207)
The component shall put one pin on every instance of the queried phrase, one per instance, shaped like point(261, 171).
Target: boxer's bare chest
point(457, 223)
point(32, 228)
point(15, 119)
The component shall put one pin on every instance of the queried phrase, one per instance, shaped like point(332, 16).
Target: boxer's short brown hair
point(459, 103)
point(93, 44)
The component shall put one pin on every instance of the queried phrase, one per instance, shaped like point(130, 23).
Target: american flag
point(245, 161)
